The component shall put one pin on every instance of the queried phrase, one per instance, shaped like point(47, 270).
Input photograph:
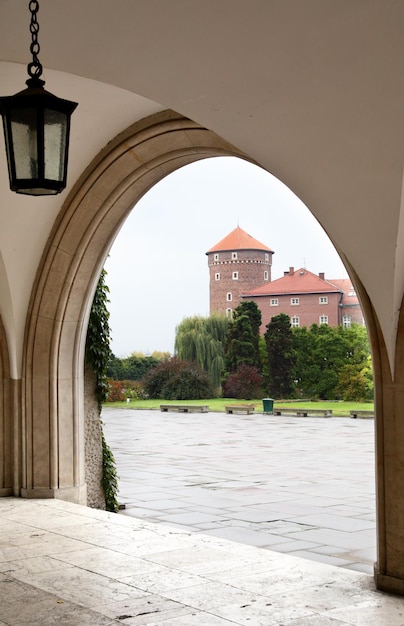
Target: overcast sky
point(157, 270)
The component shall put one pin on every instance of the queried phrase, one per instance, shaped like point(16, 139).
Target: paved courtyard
point(299, 486)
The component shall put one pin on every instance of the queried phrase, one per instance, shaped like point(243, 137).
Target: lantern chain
point(34, 68)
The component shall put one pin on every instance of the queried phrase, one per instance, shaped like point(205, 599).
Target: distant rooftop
point(238, 239)
point(297, 282)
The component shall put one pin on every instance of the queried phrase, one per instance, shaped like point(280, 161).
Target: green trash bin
point(268, 405)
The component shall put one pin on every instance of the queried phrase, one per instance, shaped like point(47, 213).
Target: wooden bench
point(240, 408)
point(304, 412)
point(310, 412)
point(362, 414)
point(185, 408)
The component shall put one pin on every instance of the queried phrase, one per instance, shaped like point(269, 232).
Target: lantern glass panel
point(55, 132)
point(24, 139)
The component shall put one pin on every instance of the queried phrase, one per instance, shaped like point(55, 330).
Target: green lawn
point(339, 409)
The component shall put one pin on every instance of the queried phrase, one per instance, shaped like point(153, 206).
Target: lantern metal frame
point(40, 121)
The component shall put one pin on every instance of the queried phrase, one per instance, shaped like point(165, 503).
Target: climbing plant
point(98, 354)
point(98, 351)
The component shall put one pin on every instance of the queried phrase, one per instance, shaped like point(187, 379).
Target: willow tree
point(201, 339)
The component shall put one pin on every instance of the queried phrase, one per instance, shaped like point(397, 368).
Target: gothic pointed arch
point(76, 250)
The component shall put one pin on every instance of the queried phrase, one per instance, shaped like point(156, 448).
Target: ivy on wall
point(98, 354)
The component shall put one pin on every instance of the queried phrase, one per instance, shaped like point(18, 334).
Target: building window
point(235, 275)
point(346, 321)
point(234, 256)
point(217, 276)
point(274, 302)
point(229, 313)
point(323, 319)
point(295, 322)
point(323, 300)
point(265, 275)
point(215, 257)
point(229, 297)
point(294, 301)
point(266, 256)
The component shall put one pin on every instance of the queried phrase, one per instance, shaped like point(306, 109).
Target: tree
point(201, 339)
point(333, 362)
point(281, 356)
point(174, 379)
point(242, 344)
point(130, 368)
point(246, 383)
point(355, 383)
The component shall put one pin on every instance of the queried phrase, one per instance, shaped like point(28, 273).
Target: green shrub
point(174, 379)
point(109, 477)
point(120, 390)
point(245, 383)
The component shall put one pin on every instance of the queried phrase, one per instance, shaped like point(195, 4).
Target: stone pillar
point(92, 443)
point(389, 402)
point(8, 445)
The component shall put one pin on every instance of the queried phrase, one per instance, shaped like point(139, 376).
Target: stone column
point(389, 569)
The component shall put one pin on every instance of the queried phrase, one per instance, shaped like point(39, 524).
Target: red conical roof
point(238, 239)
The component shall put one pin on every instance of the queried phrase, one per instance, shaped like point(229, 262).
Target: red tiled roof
point(295, 282)
point(345, 284)
point(238, 239)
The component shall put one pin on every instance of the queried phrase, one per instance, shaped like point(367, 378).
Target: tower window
point(217, 276)
point(235, 276)
point(234, 256)
point(216, 257)
point(229, 313)
point(265, 275)
point(229, 297)
point(266, 256)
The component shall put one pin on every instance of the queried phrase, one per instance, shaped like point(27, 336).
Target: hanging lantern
point(36, 129)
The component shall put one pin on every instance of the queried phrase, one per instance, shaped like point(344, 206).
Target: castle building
point(240, 269)
point(308, 299)
point(238, 263)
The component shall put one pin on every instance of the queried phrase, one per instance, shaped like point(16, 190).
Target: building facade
point(308, 299)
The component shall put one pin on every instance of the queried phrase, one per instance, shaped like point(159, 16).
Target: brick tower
point(237, 264)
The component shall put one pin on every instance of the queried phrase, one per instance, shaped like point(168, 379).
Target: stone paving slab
point(122, 570)
point(303, 486)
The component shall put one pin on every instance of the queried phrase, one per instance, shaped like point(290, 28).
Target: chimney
point(321, 275)
point(291, 271)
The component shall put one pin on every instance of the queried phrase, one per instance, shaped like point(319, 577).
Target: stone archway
point(50, 432)
point(53, 441)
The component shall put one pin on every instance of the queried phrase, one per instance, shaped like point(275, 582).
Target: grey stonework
point(92, 444)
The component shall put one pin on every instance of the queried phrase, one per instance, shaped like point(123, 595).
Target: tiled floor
point(299, 486)
point(68, 565)
point(295, 486)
